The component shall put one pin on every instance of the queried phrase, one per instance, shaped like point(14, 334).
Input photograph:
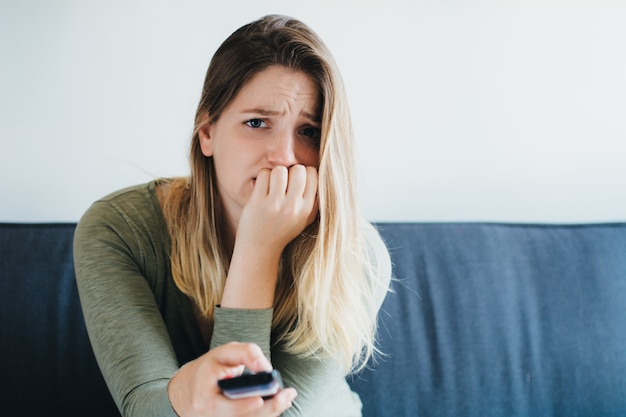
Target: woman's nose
point(281, 150)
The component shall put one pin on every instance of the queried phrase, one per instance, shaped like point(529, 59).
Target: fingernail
point(293, 394)
point(264, 365)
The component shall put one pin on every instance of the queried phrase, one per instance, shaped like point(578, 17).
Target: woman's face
point(274, 120)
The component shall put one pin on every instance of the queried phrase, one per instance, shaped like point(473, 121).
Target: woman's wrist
point(252, 277)
point(174, 394)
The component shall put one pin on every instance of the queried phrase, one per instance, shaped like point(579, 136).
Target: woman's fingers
point(310, 191)
point(194, 391)
point(279, 178)
point(281, 205)
point(279, 402)
point(261, 184)
point(256, 406)
point(248, 354)
point(287, 188)
point(297, 181)
point(252, 356)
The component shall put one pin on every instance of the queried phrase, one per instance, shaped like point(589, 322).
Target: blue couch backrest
point(502, 320)
point(483, 320)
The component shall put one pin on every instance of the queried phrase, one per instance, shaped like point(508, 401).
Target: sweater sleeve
point(126, 330)
point(321, 386)
point(249, 326)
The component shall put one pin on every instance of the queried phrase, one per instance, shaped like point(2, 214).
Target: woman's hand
point(193, 391)
point(282, 204)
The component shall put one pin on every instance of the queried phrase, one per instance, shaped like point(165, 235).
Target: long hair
point(325, 301)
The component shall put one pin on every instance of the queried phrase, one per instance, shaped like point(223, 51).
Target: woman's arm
point(130, 339)
point(127, 333)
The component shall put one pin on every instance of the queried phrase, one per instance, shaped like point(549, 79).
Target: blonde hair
point(325, 300)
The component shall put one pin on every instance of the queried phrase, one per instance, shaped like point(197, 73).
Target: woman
point(259, 259)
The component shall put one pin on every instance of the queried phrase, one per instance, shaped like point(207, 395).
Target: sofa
point(482, 320)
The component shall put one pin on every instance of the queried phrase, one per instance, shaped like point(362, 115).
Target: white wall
point(464, 110)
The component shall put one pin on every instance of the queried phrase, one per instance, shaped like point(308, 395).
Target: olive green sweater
point(142, 328)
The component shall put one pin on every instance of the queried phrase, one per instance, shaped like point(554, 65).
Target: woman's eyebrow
point(312, 117)
point(262, 112)
point(267, 112)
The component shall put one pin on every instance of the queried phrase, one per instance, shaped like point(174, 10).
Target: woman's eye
point(312, 132)
point(255, 123)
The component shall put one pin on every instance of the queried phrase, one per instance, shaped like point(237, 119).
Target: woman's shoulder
point(132, 208)
point(138, 194)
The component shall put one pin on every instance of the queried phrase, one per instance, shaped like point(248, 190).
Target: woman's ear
point(204, 134)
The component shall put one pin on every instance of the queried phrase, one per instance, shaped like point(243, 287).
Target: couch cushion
point(47, 364)
point(502, 320)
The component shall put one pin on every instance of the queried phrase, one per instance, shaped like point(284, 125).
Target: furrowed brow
point(262, 112)
point(266, 112)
